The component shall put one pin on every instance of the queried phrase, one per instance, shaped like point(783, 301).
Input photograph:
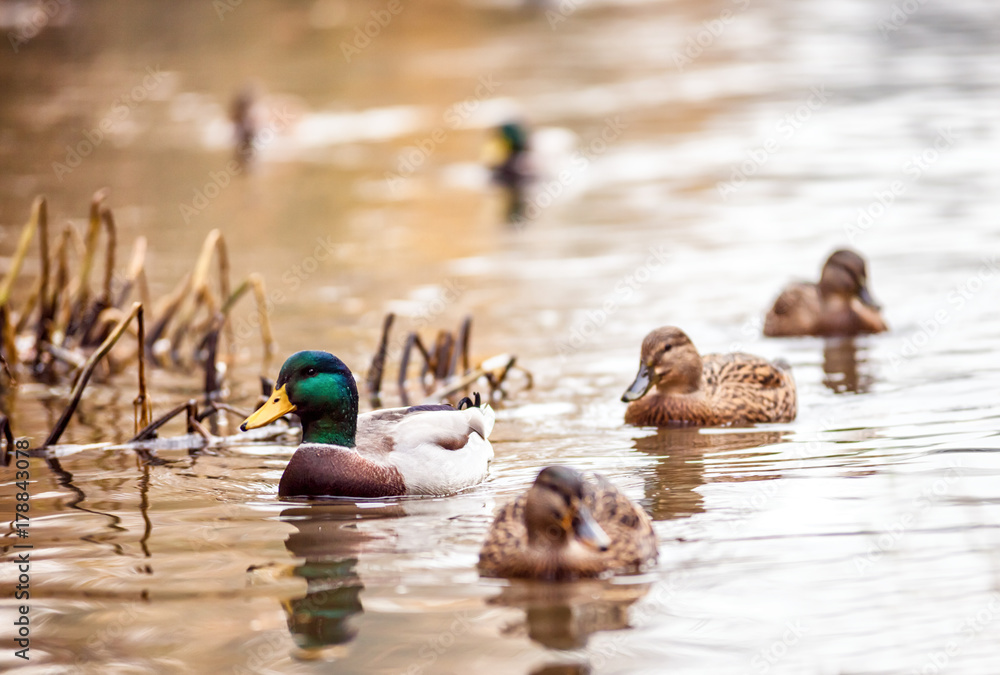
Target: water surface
point(859, 538)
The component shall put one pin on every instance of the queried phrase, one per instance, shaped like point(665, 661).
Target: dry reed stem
point(85, 373)
point(375, 371)
point(143, 406)
point(82, 296)
point(266, 337)
point(27, 233)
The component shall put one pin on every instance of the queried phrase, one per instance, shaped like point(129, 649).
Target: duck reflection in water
point(330, 538)
point(672, 488)
point(845, 367)
point(565, 615)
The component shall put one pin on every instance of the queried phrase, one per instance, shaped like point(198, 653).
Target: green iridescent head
point(319, 388)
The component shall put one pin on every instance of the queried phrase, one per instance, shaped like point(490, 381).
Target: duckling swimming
point(839, 304)
point(714, 390)
point(568, 527)
point(425, 449)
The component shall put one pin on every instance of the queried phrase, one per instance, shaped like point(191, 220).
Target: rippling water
point(747, 140)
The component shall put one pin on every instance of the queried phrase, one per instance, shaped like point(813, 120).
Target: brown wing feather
point(742, 388)
point(795, 312)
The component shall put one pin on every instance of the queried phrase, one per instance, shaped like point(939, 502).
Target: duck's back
point(743, 389)
point(437, 449)
point(796, 311)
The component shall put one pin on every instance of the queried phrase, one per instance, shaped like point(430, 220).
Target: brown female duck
point(839, 304)
point(713, 390)
point(568, 527)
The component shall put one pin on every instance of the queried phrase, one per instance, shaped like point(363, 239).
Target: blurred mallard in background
point(509, 160)
point(839, 304)
point(710, 390)
point(426, 449)
point(568, 527)
point(508, 155)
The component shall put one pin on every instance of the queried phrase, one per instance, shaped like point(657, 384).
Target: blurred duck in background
point(509, 159)
point(241, 113)
point(839, 305)
point(714, 390)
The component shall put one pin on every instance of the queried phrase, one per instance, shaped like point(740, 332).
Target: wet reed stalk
point(143, 406)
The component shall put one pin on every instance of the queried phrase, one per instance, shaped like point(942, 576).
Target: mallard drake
point(509, 155)
point(510, 166)
point(710, 390)
point(425, 449)
point(839, 304)
point(568, 527)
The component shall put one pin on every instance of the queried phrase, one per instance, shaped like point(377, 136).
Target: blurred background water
point(694, 157)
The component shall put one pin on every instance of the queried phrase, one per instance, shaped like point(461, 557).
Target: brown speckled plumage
point(838, 305)
point(510, 551)
point(712, 390)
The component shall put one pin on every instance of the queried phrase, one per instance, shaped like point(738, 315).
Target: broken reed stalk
point(82, 296)
point(444, 348)
point(201, 292)
point(46, 306)
point(27, 233)
point(91, 311)
point(260, 295)
point(412, 340)
point(374, 380)
point(86, 372)
point(149, 430)
point(462, 345)
point(8, 346)
point(143, 406)
point(135, 269)
point(8, 436)
point(168, 310)
point(210, 346)
point(109, 255)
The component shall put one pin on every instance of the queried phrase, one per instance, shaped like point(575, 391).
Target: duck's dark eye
point(668, 348)
point(310, 372)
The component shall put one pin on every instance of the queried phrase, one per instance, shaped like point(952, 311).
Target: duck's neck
point(330, 429)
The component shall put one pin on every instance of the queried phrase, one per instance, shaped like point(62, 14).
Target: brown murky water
point(742, 142)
